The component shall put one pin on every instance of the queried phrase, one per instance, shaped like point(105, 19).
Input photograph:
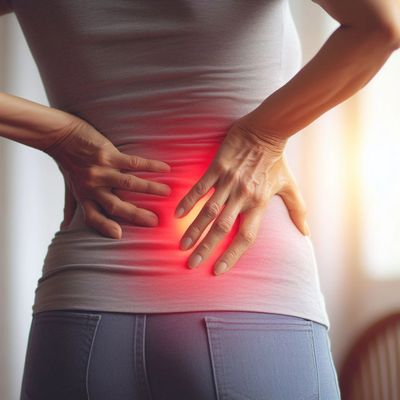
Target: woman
point(153, 104)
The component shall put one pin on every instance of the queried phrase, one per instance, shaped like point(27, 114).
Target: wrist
point(268, 139)
point(32, 124)
point(59, 127)
point(67, 125)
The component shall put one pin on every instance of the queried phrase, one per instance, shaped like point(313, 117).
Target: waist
point(155, 250)
point(146, 271)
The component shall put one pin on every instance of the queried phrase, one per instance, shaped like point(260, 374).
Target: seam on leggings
point(315, 359)
point(134, 345)
point(146, 381)
point(90, 354)
point(332, 366)
point(139, 354)
point(212, 355)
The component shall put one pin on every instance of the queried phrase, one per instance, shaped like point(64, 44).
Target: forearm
point(345, 63)
point(30, 123)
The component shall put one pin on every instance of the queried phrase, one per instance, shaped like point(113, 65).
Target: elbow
point(390, 33)
point(376, 20)
point(387, 33)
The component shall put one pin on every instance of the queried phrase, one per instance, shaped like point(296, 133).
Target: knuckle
point(195, 231)
point(204, 248)
point(127, 181)
point(231, 175)
point(212, 209)
point(231, 254)
point(285, 183)
point(134, 162)
point(149, 186)
point(134, 211)
point(246, 188)
point(220, 167)
point(259, 198)
point(200, 188)
point(223, 225)
point(110, 207)
point(248, 237)
point(101, 157)
point(90, 175)
point(184, 203)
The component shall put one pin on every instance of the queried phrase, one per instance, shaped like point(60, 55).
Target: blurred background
point(346, 164)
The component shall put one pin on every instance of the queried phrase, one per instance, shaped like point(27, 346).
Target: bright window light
point(380, 172)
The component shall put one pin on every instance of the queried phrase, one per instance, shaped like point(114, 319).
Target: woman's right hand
point(91, 166)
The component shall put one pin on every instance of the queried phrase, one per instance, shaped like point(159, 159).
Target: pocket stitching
point(84, 320)
point(213, 354)
point(61, 314)
point(332, 366)
point(97, 318)
point(318, 394)
point(245, 321)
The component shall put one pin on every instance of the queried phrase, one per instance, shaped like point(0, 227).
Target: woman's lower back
point(146, 272)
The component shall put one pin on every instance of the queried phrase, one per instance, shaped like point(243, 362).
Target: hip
point(84, 354)
point(279, 249)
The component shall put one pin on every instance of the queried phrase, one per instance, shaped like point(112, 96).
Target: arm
point(30, 123)
point(353, 54)
point(90, 163)
point(250, 162)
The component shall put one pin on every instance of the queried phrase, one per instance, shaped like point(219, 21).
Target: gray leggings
point(201, 355)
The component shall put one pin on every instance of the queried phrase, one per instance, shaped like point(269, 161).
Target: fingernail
point(195, 261)
point(179, 212)
point(186, 243)
point(116, 233)
point(221, 267)
point(153, 220)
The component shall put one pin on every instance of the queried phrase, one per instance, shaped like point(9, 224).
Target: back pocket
point(255, 359)
point(58, 354)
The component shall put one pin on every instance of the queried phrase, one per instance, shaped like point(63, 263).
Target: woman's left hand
point(248, 169)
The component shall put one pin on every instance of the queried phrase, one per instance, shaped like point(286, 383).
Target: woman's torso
point(165, 80)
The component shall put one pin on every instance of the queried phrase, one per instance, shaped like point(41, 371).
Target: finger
point(200, 189)
point(245, 237)
point(296, 206)
point(208, 213)
point(128, 161)
point(115, 207)
point(69, 207)
point(94, 218)
point(220, 228)
point(126, 181)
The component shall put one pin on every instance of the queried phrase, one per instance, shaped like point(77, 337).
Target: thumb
point(69, 206)
point(296, 206)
